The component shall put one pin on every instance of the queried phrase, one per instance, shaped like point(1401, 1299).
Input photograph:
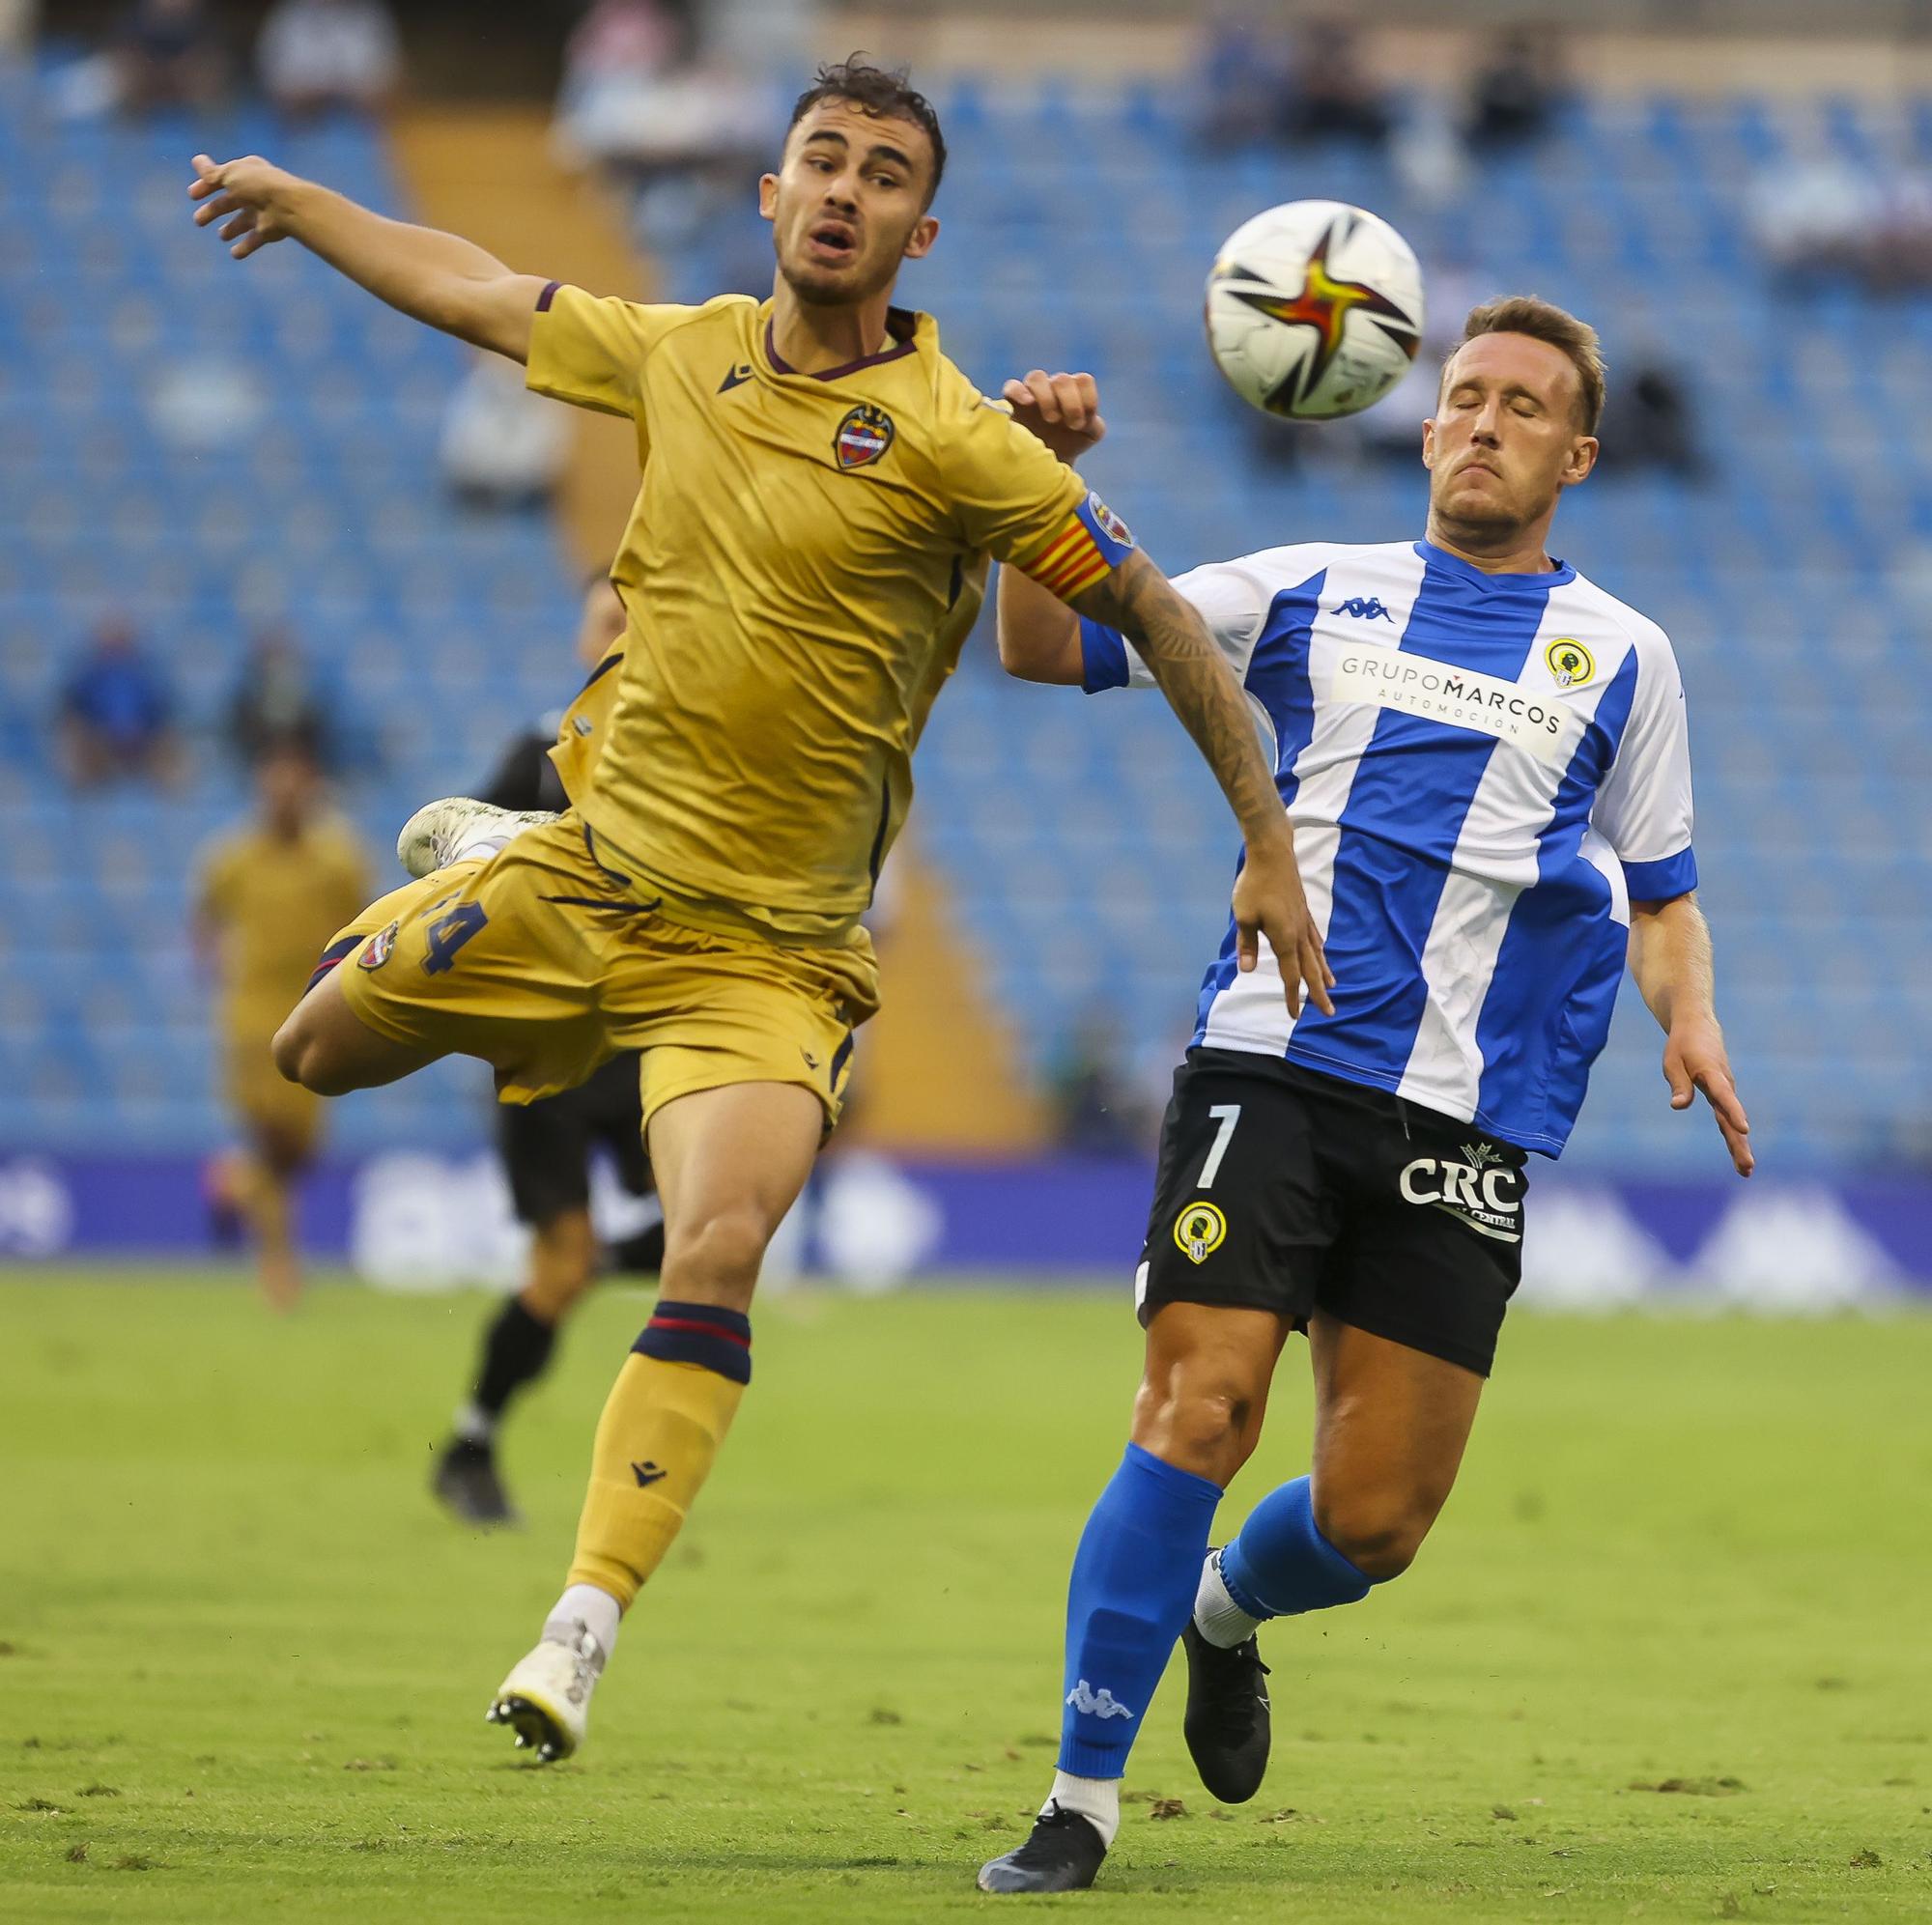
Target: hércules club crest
point(864, 436)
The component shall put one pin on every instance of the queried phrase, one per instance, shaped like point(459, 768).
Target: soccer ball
point(1314, 309)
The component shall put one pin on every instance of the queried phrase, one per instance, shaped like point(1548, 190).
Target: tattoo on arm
point(1194, 676)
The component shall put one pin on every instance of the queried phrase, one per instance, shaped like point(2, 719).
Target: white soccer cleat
point(546, 1699)
point(446, 831)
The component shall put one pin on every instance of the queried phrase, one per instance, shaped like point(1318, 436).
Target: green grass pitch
point(1669, 1655)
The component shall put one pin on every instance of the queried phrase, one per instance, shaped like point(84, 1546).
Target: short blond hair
point(1545, 320)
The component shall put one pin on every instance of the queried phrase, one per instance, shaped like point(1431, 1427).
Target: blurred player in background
point(823, 493)
point(268, 897)
point(1488, 768)
point(547, 1147)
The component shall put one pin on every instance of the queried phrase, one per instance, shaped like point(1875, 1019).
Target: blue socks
point(1281, 1565)
point(1132, 1588)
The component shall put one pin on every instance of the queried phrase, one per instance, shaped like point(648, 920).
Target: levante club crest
point(864, 436)
point(379, 948)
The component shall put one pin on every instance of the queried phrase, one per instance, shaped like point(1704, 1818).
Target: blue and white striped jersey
point(1484, 771)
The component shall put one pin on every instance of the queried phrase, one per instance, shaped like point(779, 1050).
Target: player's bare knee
point(293, 1050)
point(302, 1056)
point(1378, 1532)
point(285, 1051)
point(716, 1260)
point(1199, 1418)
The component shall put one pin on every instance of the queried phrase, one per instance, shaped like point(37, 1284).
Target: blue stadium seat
point(1796, 588)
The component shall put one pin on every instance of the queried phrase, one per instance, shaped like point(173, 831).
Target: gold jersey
point(270, 905)
point(586, 722)
point(806, 557)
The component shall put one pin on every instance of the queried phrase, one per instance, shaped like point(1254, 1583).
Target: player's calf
point(1282, 1563)
point(1378, 1529)
point(729, 1162)
point(662, 1426)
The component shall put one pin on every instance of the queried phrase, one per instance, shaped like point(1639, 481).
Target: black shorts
point(1282, 1189)
point(547, 1145)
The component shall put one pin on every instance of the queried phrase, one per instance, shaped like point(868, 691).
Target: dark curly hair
point(887, 92)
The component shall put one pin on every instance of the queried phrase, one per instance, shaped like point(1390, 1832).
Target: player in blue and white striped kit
point(1486, 764)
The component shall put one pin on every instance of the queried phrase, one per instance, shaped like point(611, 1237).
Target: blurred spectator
point(617, 70)
point(1095, 1107)
point(169, 53)
point(624, 41)
point(1902, 258)
point(1429, 155)
point(1648, 420)
point(17, 19)
point(1816, 217)
point(117, 714)
point(1516, 93)
point(315, 56)
point(1331, 93)
point(278, 702)
point(1242, 80)
point(503, 446)
point(1820, 217)
point(639, 98)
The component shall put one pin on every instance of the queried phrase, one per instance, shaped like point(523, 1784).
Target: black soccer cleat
point(1062, 1855)
point(466, 1480)
point(1226, 1724)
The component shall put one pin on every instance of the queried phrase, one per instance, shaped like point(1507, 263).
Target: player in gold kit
point(266, 896)
point(822, 491)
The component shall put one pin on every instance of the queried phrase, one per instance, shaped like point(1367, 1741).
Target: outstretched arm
point(1039, 642)
point(439, 278)
point(1670, 960)
point(1172, 641)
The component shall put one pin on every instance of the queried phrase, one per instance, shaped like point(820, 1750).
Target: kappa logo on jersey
point(380, 947)
point(1199, 1231)
point(1090, 1702)
point(736, 378)
point(1364, 609)
point(864, 436)
point(1111, 525)
point(1482, 1190)
point(1570, 661)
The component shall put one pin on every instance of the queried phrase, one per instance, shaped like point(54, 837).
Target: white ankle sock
point(474, 1425)
point(596, 1610)
point(1216, 1616)
point(1096, 1799)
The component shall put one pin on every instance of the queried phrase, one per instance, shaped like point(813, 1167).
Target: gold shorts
point(545, 965)
point(262, 1099)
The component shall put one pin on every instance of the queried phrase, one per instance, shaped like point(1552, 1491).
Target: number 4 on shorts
point(1227, 1114)
point(448, 933)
